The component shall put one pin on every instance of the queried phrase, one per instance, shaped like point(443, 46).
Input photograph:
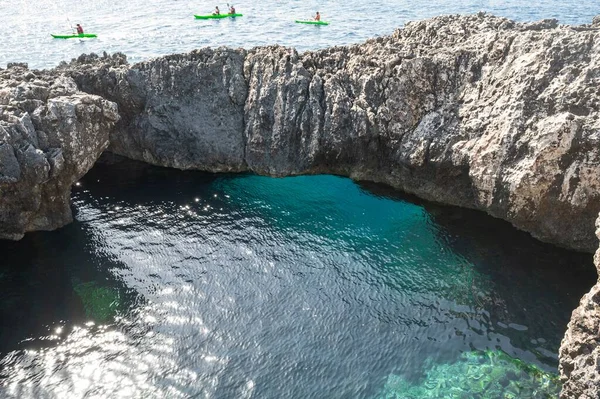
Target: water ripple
point(178, 284)
point(148, 29)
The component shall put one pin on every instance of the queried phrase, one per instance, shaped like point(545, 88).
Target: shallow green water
point(181, 284)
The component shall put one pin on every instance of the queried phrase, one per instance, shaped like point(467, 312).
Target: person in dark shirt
point(79, 29)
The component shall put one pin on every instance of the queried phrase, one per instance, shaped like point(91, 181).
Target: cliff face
point(50, 136)
point(184, 111)
point(475, 111)
point(580, 347)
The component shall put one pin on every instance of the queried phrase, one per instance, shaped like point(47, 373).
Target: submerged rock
point(50, 136)
point(477, 374)
point(101, 304)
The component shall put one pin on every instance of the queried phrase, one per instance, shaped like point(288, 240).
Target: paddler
point(231, 9)
point(79, 29)
point(318, 17)
point(216, 11)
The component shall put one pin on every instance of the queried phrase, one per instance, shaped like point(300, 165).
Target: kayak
point(312, 22)
point(217, 16)
point(74, 36)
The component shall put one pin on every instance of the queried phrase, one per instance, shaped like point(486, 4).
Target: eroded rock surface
point(580, 347)
point(183, 111)
point(476, 111)
point(50, 136)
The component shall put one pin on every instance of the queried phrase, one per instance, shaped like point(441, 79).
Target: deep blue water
point(149, 28)
point(185, 284)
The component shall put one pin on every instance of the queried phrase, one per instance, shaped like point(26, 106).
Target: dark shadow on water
point(62, 278)
point(530, 278)
point(139, 181)
point(50, 280)
point(466, 229)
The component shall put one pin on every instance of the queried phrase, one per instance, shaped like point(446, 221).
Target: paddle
point(71, 25)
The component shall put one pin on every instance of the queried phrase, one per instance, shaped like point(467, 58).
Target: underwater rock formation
point(476, 374)
point(100, 303)
point(475, 111)
point(51, 134)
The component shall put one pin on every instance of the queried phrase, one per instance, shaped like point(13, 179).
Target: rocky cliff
point(50, 136)
point(580, 347)
point(475, 111)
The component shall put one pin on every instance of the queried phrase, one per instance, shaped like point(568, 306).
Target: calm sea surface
point(178, 284)
point(149, 28)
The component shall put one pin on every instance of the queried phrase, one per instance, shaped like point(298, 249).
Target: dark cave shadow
point(518, 280)
point(39, 281)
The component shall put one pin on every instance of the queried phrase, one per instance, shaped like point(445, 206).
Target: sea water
point(173, 284)
point(147, 28)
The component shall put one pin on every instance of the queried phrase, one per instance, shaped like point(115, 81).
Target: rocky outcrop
point(580, 347)
point(184, 111)
point(475, 111)
point(50, 136)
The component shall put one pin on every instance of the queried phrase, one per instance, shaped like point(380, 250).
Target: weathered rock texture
point(475, 111)
point(184, 111)
point(50, 136)
point(580, 348)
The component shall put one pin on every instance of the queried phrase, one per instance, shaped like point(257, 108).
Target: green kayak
point(217, 16)
point(74, 36)
point(310, 22)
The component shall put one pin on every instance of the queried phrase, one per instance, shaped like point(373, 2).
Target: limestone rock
point(184, 111)
point(475, 111)
point(580, 347)
point(50, 136)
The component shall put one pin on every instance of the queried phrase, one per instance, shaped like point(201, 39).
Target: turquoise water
point(144, 29)
point(184, 284)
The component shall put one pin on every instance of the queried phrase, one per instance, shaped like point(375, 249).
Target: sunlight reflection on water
point(145, 29)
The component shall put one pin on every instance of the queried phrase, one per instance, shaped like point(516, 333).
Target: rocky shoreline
point(51, 134)
point(476, 111)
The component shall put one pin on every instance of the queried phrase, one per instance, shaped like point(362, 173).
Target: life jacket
point(79, 30)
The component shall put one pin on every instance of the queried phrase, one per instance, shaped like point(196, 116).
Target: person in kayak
point(216, 11)
point(231, 9)
point(318, 17)
point(79, 29)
